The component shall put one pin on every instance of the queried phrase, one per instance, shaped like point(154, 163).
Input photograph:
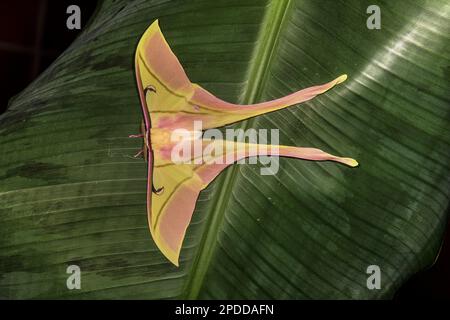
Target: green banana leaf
point(71, 192)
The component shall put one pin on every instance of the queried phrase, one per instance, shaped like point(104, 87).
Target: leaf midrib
point(257, 76)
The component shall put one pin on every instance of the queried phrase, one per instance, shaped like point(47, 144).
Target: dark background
point(33, 34)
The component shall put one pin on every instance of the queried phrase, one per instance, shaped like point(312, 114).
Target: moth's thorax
point(161, 137)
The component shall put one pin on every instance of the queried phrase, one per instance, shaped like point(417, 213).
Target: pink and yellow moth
point(169, 102)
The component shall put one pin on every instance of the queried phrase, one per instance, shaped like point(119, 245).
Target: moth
point(171, 102)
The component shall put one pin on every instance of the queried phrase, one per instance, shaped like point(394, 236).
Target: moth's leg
point(140, 152)
point(137, 136)
point(143, 136)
